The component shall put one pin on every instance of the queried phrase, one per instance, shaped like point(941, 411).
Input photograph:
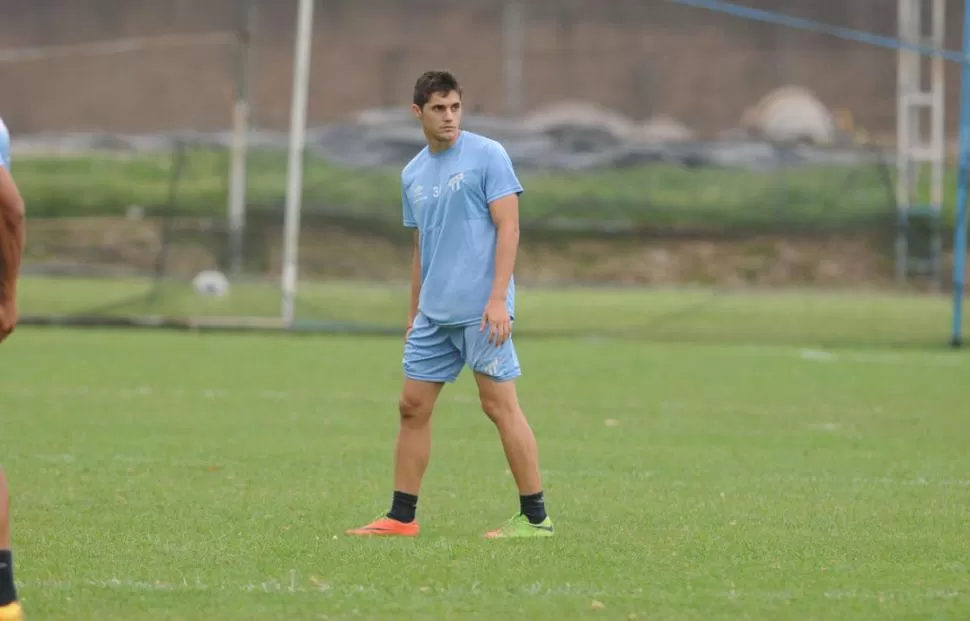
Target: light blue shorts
point(434, 353)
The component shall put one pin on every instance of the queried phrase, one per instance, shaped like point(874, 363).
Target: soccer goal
point(147, 207)
point(201, 227)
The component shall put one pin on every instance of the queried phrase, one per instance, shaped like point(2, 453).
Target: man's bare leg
point(411, 456)
point(500, 402)
point(413, 448)
point(4, 513)
point(9, 608)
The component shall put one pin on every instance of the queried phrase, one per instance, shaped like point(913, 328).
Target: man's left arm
point(502, 190)
point(505, 215)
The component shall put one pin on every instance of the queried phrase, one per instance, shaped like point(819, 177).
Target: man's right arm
point(411, 223)
point(12, 239)
point(415, 278)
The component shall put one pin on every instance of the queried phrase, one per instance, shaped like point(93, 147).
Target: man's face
point(441, 116)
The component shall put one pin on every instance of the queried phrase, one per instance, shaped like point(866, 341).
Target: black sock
point(533, 507)
point(8, 593)
point(403, 507)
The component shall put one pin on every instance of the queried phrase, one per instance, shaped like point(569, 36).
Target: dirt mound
point(185, 247)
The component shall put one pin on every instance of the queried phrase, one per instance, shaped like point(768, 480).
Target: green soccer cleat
point(519, 527)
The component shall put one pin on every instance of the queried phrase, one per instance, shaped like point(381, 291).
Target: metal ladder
point(918, 246)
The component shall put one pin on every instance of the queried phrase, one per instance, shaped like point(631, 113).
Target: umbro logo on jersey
point(417, 194)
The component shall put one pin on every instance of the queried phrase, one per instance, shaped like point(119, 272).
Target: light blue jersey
point(445, 196)
point(4, 146)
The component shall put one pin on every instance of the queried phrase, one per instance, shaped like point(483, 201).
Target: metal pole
point(294, 186)
point(960, 230)
point(513, 36)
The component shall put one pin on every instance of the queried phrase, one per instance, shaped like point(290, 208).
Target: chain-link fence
point(659, 145)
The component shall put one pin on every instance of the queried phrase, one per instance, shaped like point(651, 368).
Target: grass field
point(793, 317)
point(193, 477)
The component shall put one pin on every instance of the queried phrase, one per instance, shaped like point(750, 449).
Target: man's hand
point(8, 318)
point(496, 319)
point(407, 331)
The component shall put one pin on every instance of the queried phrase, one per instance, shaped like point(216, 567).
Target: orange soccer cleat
point(11, 612)
point(387, 527)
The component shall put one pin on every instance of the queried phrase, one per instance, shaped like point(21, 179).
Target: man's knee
point(416, 404)
point(412, 410)
point(499, 401)
point(494, 408)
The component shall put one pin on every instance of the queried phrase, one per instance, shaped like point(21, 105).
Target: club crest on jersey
point(455, 182)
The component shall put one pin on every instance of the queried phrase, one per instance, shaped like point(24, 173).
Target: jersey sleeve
point(4, 146)
point(409, 220)
point(500, 177)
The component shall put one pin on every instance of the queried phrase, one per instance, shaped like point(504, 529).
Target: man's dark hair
point(431, 82)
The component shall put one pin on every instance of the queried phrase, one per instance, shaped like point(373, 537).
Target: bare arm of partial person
point(12, 239)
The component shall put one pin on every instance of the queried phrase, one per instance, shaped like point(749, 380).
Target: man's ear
point(416, 111)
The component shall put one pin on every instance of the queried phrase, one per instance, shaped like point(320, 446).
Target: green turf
point(209, 477)
point(657, 196)
point(803, 317)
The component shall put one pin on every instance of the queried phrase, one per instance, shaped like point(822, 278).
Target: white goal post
point(294, 184)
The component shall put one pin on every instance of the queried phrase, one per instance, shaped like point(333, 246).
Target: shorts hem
point(428, 378)
point(501, 379)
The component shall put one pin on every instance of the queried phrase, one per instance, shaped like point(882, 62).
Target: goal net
point(679, 163)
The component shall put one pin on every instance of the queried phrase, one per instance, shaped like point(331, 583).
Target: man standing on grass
point(461, 195)
point(11, 251)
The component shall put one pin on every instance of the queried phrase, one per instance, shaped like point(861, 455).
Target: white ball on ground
point(211, 283)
